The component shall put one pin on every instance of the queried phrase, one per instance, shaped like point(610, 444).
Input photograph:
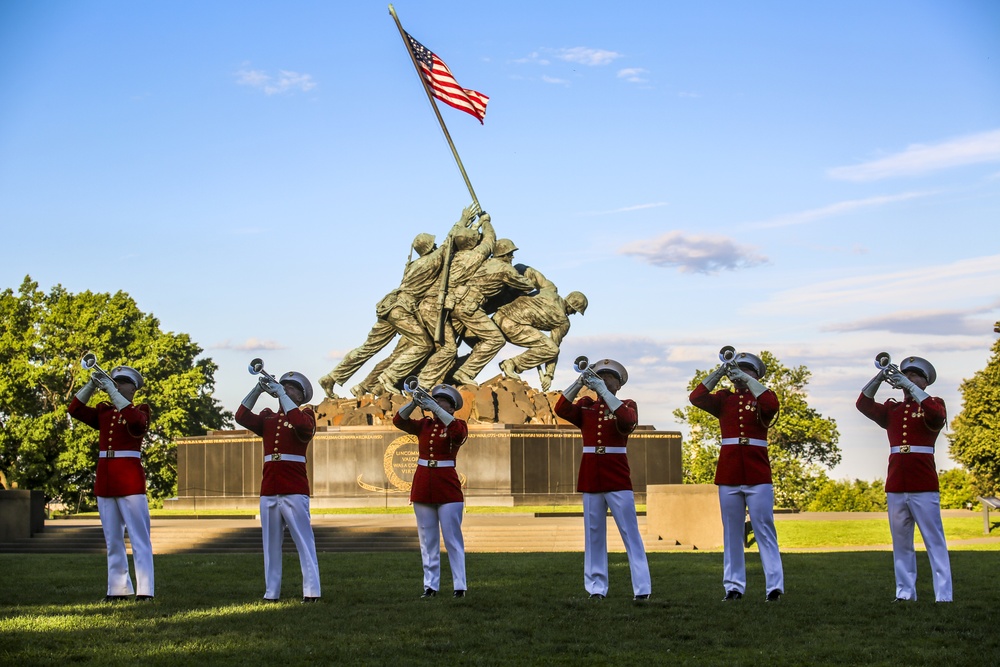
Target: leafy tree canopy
point(802, 442)
point(974, 435)
point(42, 339)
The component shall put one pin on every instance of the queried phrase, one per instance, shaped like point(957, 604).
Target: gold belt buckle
point(110, 454)
point(276, 456)
point(599, 450)
point(744, 441)
point(432, 464)
point(904, 449)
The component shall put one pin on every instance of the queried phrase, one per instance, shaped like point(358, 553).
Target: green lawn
point(521, 609)
point(868, 532)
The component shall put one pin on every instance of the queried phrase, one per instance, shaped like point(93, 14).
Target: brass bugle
point(581, 363)
point(256, 367)
point(89, 362)
point(727, 354)
point(411, 385)
point(884, 362)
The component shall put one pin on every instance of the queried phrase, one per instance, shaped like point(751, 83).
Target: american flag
point(443, 85)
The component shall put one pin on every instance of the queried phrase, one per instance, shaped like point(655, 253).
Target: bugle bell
point(727, 354)
point(256, 367)
point(89, 362)
point(411, 385)
point(581, 363)
point(884, 362)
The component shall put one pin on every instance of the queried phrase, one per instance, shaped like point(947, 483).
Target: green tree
point(802, 442)
point(973, 438)
point(848, 496)
point(42, 339)
point(957, 492)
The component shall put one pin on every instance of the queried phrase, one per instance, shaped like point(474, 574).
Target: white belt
point(120, 454)
point(757, 442)
point(435, 464)
point(284, 457)
point(603, 450)
point(911, 449)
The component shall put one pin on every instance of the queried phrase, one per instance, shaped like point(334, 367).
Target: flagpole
point(437, 112)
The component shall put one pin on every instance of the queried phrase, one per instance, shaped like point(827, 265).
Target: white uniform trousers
point(734, 502)
point(433, 521)
point(119, 514)
point(277, 512)
point(595, 556)
point(924, 508)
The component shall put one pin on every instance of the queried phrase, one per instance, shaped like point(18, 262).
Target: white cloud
point(628, 209)
point(587, 56)
point(973, 279)
point(552, 79)
point(921, 158)
point(632, 74)
point(840, 208)
point(927, 322)
point(694, 253)
point(286, 81)
point(249, 345)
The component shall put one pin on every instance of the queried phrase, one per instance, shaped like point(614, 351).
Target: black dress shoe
point(429, 593)
point(307, 600)
point(902, 600)
point(643, 596)
point(732, 595)
point(596, 596)
point(270, 600)
point(459, 594)
point(143, 598)
point(117, 598)
point(774, 596)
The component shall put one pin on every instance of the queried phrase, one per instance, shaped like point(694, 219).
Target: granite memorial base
point(373, 466)
point(22, 514)
point(685, 514)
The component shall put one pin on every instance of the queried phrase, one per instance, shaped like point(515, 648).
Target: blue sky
point(821, 180)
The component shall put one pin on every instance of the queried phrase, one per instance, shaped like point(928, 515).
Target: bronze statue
point(446, 297)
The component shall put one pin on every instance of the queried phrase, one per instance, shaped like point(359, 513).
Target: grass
point(521, 609)
point(873, 532)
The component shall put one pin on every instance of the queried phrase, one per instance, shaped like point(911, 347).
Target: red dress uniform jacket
point(908, 423)
point(435, 442)
point(120, 431)
point(600, 427)
point(740, 416)
point(283, 434)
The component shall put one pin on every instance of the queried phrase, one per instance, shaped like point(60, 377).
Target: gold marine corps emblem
point(399, 462)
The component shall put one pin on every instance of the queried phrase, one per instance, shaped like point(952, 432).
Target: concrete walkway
point(484, 533)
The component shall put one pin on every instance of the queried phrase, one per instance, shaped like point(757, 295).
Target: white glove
point(284, 400)
point(441, 413)
point(251, 398)
point(86, 391)
point(570, 392)
point(407, 409)
point(270, 387)
point(593, 381)
point(873, 385)
point(103, 381)
point(119, 401)
point(713, 378)
point(754, 385)
point(906, 384)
